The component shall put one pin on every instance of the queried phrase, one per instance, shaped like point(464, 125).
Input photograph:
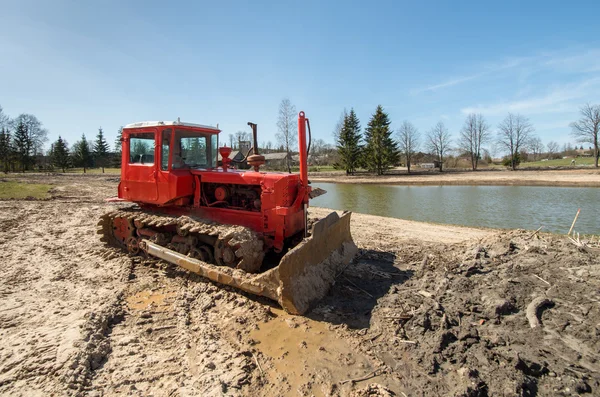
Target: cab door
point(141, 174)
point(165, 181)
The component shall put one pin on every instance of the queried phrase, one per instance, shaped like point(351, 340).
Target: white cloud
point(560, 99)
point(583, 61)
point(448, 83)
point(560, 124)
point(488, 69)
point(572, 60)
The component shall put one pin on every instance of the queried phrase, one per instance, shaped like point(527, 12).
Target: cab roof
point(142, 124)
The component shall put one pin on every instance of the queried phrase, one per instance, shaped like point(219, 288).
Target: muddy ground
point(424, 310)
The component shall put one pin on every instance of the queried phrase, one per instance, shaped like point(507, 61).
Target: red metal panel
point(179, 191)
point(138, 181)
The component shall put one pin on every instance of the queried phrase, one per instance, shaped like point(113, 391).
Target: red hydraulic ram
point(302, 120)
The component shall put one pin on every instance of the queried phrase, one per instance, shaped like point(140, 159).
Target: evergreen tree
point(60, 154)
point(381, 152)
point(37, 135)
point(197, 151)
point(101, 150)
point(5, 149)
point(116, 158)
point(82, 155)
point(22, 145)
point(348, 143)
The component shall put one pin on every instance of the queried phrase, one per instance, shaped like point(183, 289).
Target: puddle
point(157, 300)
point(308, 354)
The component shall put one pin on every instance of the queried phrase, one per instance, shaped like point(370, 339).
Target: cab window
point(193, 150)
point(165, 148)
point(141, 148)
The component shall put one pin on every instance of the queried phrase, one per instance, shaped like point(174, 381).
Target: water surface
point(507, 207)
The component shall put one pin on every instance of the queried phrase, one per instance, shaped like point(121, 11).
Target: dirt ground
point(423, 310)
point(575, 177)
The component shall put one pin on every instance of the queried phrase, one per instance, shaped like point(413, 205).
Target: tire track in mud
point(175, 337)
point(55, 286)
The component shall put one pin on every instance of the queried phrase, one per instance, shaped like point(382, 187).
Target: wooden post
point(574, 220)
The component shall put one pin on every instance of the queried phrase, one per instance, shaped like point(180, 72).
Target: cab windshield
point(192, 149)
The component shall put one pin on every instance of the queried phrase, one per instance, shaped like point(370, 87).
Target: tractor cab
point(158, 157)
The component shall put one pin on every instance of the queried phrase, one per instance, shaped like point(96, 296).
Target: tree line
point(22, 142)
point(83, 154)
point(378, 148)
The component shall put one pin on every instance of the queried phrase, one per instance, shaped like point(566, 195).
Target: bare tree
point(242, 136)
point(514, 133)
point(287, 133)
point(438, 142)
point(475, 132)
point(408, 140)
point(552, 149)
point(37, 135)
point(587, 129)
point(232, 141)
point(4, 119)
point(339, 125)
point(537, 147)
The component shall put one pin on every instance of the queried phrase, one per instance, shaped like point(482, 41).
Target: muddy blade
point(308, 270)
point(303, 276)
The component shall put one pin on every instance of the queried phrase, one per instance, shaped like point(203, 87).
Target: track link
point(225, 245)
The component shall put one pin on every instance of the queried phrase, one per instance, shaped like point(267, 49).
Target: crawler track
point(223, 245)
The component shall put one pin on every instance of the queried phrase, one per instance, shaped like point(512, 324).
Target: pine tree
point(60, 154)
point(348, 143)
point(116, 158)
point(22, 145)
point(381, 152)
point(101, 150)
point(82, 155)
point(5, 149)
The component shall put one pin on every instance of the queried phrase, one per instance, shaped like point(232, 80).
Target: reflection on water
point(525, 207)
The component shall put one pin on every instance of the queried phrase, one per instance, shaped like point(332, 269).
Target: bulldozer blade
point(303, 276)
point(309, 269)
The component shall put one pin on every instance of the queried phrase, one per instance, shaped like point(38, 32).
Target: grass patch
point(559, 162)
point(19, 190)
point(92, 171)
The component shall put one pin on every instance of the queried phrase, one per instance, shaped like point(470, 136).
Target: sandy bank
point(373, 230)
point(576, 178)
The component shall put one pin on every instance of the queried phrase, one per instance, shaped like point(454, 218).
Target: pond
point(506, 207)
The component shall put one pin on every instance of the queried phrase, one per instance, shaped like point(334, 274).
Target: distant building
point(296, 159)
point(244, 146)
point(584, 152)
point(277, 160)
point(434, 164)
point(237, 156)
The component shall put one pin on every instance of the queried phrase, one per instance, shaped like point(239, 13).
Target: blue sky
point(79, 65)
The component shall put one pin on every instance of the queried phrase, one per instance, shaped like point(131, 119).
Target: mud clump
point(92, 350)
point(462, 329)
point(373, 390)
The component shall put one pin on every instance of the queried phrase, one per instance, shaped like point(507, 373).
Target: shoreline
point(399, 229)
point(549, 178)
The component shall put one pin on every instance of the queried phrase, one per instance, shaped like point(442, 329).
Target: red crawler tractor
point(220, 222)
